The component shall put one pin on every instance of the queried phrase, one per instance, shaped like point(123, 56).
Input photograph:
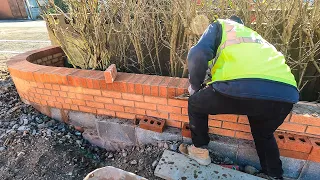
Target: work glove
point(191, 91)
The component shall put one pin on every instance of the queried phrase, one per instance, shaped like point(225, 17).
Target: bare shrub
point(154, 36)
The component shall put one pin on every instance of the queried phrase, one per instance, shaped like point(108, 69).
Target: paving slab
point(175, 166)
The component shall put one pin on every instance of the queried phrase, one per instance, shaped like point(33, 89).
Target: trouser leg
point(263, 127)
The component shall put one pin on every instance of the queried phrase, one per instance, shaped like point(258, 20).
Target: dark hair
point(236, 19)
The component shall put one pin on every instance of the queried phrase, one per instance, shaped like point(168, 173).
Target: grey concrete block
point(186, 140)
point(174, 166)
point(56, 114)
point(224, 146)
point(82, 119)
point(92, 136)
point(292, 167)
point(150, 137)
point(310, 171)
point(117, 131)
point(247, 155)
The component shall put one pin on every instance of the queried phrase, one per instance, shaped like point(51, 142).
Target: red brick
point(184, 111)
point(297, 143)
point(185, 131)
point(45, 97)
point(125, 115)
point(293, 127)
point(182, 87)
point(95, 104)
point(84, 97)
point(93, 79)
point(156, 100)
point(63, 94)
point(131, 83)
point(74, 107)
point(66, 106)
point(172, 87)
point(177, 103)
point(40, 85)
point(155, 85)
point(56, 87)
point(214, 123)
point(111, 94)
point(315, 153)
point(120, 84)
point(59, 99)
point(305, 119)
point(135, 111)
point(64, 88)
point(40, 91)
point(87, 109)
point(139, 83)
point(94, 92)
point(114, 107)
point(224, 117)
point(106, 112)
point(163, 86)
point(47, 92)
point(58, 105)
point(103, 100)
point(243, 135)
point(157, 114)
point(243, 119)
point(72, 95)
point(133, 97)
point(171, 109)
point(110, 73)
point(123, 102)
point(79, 78)
point(152, 124)
point(55, 93)
point(294, 154)
point(146, 87)
point(236, 126)
point(43, 102)
point(47, 86)
point(51, 103)
point(75, 89)
point(313, 130)
point(173, 123)
point(222, 132)
point(179, 117)
point(143, 105)
point(78, 102)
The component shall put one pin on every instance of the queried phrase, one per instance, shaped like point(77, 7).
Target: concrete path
point(175, 166)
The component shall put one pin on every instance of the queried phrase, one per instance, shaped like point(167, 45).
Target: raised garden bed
point(79, 96)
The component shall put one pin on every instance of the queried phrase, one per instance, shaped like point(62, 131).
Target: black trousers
point(264, 118)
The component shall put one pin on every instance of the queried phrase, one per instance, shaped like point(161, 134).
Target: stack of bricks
point(124, 95)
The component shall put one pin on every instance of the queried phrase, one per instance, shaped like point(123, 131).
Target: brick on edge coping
point(172, 87)
point(163, 86)
point(93, 81)
point(155, 85)
point(110, 73)
point(146, 86)
point(131, 83)
point(79, 78)
point(182, 87)
point(138, 84)
point(60, 76)
point(120, 83)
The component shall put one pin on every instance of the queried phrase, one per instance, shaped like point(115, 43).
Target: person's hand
point(191, 91)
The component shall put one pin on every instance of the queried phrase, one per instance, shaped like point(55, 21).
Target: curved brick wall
point(41, 80)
